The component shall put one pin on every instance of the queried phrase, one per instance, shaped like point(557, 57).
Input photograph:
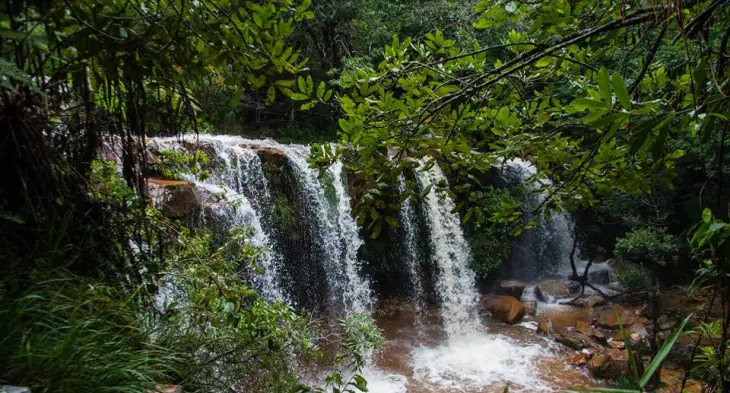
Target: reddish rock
point(578, 359)
point(610, 317)
point(612, 364)
point(564, 318)
point(168, 389)
point(511, 288)
point(672, 382)
point(550, 290)
point(504, 308)
point(176, 198)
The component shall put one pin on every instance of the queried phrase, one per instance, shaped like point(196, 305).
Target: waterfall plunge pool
point(420, 358)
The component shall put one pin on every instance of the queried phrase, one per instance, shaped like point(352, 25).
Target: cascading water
point(450, 252)
point(546, 248)
point(357, 294)
point(407, 218)
point(337, 233)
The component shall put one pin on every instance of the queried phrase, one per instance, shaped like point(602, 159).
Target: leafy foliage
point(647, 246)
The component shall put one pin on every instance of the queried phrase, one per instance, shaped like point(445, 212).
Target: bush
point(634, 278)
point(647, 246)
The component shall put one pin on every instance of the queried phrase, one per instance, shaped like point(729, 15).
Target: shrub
point(647, 246)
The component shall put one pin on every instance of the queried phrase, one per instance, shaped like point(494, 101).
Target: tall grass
point(69, 334)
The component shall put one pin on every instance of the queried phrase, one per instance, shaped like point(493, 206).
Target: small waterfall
point(455, 284)
point(546, 248)
point(241, 182)
point(357, 295)
point(407, 218)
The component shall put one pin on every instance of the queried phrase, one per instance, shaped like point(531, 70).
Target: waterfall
point(357, 294)
point(450, 253)
point(336, 232)
point(407, 218)
point(240, 179)
point(545, 248)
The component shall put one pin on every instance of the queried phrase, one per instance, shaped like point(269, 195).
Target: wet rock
point(545, 326)
point(511, 288)
point(590, 332)
point(550, 290)
point(609, 317)
point(612, 364)
point(564, 318)
point(176, 198)
point(599, 277)
point(672, 382)
point(578, 359)
point(575, 340)
point(530, 307)
point(591, 301)
point(681, 352)
point(617, 344)
point(665, 323)
point(504, 308)
point(272, 155)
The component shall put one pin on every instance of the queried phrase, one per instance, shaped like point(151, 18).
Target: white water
point(407, 218)
point(356, 291)
point(547, 247)
point(450, 253)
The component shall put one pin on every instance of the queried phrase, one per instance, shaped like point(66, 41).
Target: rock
point(272, 155)
point(672, 382)
point(665, 323)
point(14, 389)
point(600, 277)
point(591, 301)
point(511, 288)
point(681, 352)
point(586, 330)
point(575, 340)
point(168, 389)
point(617, 344)
point(176, 198)
point(545, 326)
point(564, 318)
point(609, 317)
point(578, 359)
point(550, 290)
point(530, 307)
point(612, 364)
point(504, 308)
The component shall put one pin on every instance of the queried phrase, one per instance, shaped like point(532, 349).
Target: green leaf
point(302, 85)
point(621, 92)
point(236, 99)
point(604, 85)
point(707, 215)
point(270, 95)
point(327, 96)
point(320, 90)
point(641, 132)
point(299, 97)
point(662, 353)
point(310, 85)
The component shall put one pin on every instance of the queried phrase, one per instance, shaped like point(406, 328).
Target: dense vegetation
point(623, 105)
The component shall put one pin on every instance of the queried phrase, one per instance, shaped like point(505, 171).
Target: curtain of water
point(450, 253)
point(407, 218)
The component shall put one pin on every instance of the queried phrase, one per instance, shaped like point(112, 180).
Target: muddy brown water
point(419, 358)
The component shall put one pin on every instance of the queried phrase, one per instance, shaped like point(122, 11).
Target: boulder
point(511, 288)
point(591, 301)
point(530, 307)
point(175, 198)
point(600, 277)
point(612, 364)
point(578, 359)
point(551, 290)
point(575, 340)
point(272, 155)
point(609, 317)
point(672, 382)
point(504, 308)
